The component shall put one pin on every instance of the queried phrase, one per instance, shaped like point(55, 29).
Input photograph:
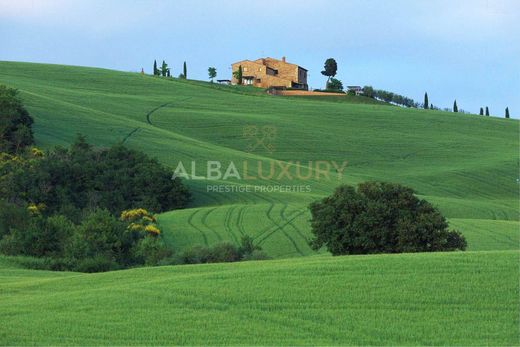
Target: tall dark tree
point(155, 70)
point(238, 74)
point(431, 107)
point(487, 111)
point(185, 70)
point(330, 69)
point(164, 68)
point(455, 108)
point(507, 112)
point(481, 111)
point(15, 122)
point(212, 73)
point(426, 103)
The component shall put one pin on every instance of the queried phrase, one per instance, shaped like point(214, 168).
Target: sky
point(468, 50)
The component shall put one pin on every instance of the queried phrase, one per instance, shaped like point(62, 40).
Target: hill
point(465, 164)
point(466, 298)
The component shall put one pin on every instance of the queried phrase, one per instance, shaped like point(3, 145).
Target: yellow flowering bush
point(135, 214)
point(35, 210)
point(36, 152)
point(152, 229)
point(140, 220)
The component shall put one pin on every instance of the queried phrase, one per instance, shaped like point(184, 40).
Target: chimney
point(283, 59)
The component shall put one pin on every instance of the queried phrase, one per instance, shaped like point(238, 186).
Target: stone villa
point(269, 72)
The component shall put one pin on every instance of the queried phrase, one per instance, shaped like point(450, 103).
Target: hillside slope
point(468, 298)
point(465, 164)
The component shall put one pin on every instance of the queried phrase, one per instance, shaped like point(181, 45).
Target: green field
point(413, 299)
point(465, 164)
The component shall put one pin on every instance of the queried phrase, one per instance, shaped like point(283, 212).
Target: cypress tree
point(426, 103)
point(155, 71)
point(507, 112)
point(481, 111)
point(455, 108)
point(185, 70)
point(431, 106)
point(487, 111)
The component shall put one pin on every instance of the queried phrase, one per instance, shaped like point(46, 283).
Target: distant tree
point(15, 122)
point(481, 111)
point(380, 217)
point(507, 112)
point(487, 111)
point(455, 108)
point(155, 70)
point(426, 103)
point(238, 74)
point(368, 91)
point(164, 68)
point(431, 107)
point(168, 72)
point(330, 69)
point(212, 73)
point(334, 84)
point(185, 70)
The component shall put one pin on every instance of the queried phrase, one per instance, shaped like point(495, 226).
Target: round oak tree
point(380, 217)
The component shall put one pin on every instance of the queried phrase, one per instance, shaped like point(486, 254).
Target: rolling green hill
point(466, 298)
point(465, 164)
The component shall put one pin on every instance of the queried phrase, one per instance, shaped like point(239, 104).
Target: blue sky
point(467, 50)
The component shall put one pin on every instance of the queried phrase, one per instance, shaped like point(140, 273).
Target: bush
point(15, 122)
point(380, 218)
point(85, 178)
point(151, 251)
point(256, 255)
point(221, 253)
point(334, 85)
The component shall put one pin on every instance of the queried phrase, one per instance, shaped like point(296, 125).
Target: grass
point(465, 164)
point(411, 299)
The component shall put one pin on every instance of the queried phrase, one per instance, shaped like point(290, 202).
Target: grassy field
point(411, 299)
point(466, 165)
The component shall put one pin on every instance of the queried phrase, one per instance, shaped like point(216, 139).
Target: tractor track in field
point(173, 103)
point(267, 228)
point(190, 222)
point(275, 228)
point(280, 227)
point(298, 231)
point(203, 220)
point(227, 223)
point(130, 134)
point(240, 218)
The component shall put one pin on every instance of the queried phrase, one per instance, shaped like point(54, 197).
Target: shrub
point(85, 178)
point(334, 85)
point(151, 250)
point(380, 218)
point(223, 253)
point(15, 122)
point(195, 255)
point(256, 255)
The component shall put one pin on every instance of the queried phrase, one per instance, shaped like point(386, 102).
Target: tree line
point(166, 71)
